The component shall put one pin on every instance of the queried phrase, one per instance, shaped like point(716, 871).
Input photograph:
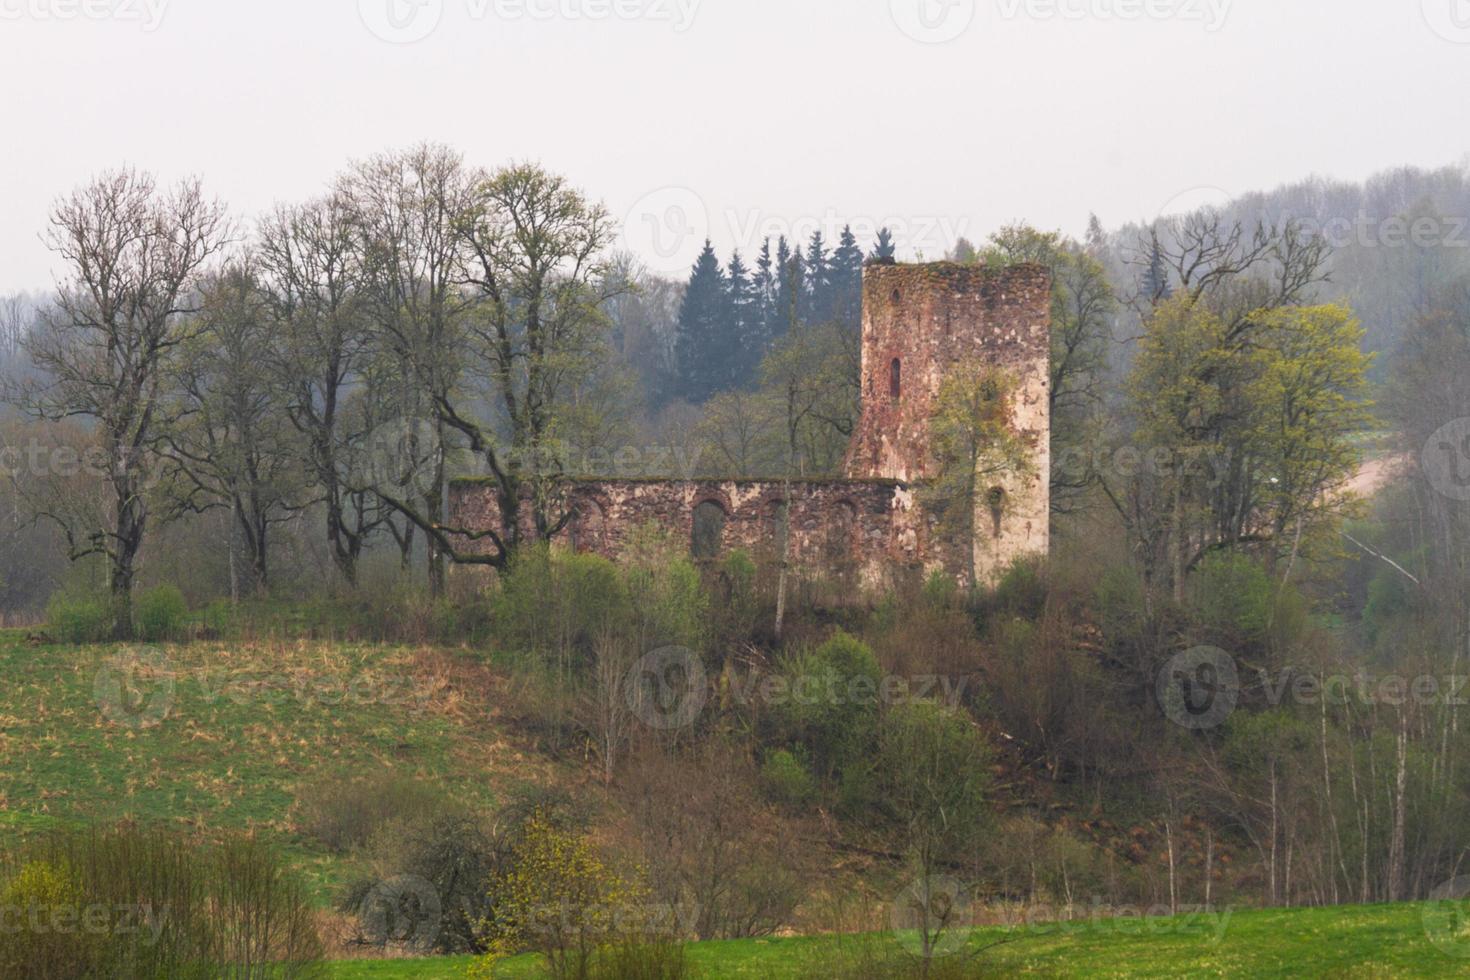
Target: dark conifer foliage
point(731, 316)
point(884, 250)
point(706, 341)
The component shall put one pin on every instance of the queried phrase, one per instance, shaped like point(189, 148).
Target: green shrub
point(344, 814)
point(941, 589)
point(1122, 607)
point(45, 894)
point(155, 905)
point(553, 604)
point(740, 608)
point(831, 705)
point(1232, 594)
point(1022, 590)
point(670, 606)
point(74, 619)
point(786, 780)
point(932, 762)
point(556, 896)
point(642, 959)
point(1241, 605)
point(445, 855)
point(159, 613)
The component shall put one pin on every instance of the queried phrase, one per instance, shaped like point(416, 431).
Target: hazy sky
point(737, 117)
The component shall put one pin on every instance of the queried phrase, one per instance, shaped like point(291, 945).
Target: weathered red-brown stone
point(918, 321)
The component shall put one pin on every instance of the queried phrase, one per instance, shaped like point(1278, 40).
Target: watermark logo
point(1446, 917)
point(1446, 460)
point(1074, 918)
point(663, 226)
point(1450, 19)
point(401, 21)
point(1207, 467)
point(408, 21)
point(933, 21)
point(1210, 13)
point(1205, 197)
point(932, 917)
point(667, 227)
point(242, 687)
point(1199, 688)
point(667, 689)
point(400, 459)
point(146, 13)
point(404, 912)
point(135, 688)
point(94, 919)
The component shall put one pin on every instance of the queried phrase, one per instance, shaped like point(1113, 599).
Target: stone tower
point(919, 320)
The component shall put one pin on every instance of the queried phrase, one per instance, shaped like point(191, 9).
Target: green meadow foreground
point(1354, 941)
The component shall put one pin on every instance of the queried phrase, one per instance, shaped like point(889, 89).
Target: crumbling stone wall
point(918, 322)
point(867, 528)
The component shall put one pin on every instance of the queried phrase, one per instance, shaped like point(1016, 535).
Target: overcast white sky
point(736, 117)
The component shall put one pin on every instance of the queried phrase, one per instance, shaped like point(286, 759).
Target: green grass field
point(1379, 941)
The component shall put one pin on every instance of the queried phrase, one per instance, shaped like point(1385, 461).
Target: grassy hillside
point(216, 736)
point(247, 728)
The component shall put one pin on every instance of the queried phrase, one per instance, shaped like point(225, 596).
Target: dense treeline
point(711, 368)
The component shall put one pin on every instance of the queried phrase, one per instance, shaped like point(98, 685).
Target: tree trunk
point(1396, 845)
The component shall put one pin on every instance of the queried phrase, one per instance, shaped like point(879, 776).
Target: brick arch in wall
point(841, 531)
point(707, 523)
point(589, 526)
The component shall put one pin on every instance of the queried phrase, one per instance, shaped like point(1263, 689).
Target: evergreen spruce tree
point(847, 280)
point(1155, 282)
point(785, 297)
point(818, 308)
point(703, 342)
point(765, 283)
point(742, 327)
point(884, 250)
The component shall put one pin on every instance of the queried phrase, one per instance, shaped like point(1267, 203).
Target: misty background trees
point(397, 316)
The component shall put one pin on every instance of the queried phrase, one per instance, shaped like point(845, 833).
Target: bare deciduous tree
point(134, 255)
point(410, 211)
point(312, 277)
point(232, 444)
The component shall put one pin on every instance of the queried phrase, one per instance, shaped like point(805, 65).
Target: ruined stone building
point(917, 321)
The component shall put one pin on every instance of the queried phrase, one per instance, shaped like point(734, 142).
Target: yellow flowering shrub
point(557, 897)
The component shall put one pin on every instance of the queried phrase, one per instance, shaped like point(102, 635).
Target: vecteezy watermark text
point(408, 21)
point(94, 919)
point(140, 688)
point(669, 687)
point(146, 13)
point(1201, 688)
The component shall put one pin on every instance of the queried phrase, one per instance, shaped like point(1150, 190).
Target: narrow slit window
point(895, 379)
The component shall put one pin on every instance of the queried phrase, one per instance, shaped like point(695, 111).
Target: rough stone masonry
point(918, 321)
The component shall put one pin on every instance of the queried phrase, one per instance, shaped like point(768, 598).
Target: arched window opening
point(840, 532)
point(996, 498)
point(588, 529)
point(709, 530)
